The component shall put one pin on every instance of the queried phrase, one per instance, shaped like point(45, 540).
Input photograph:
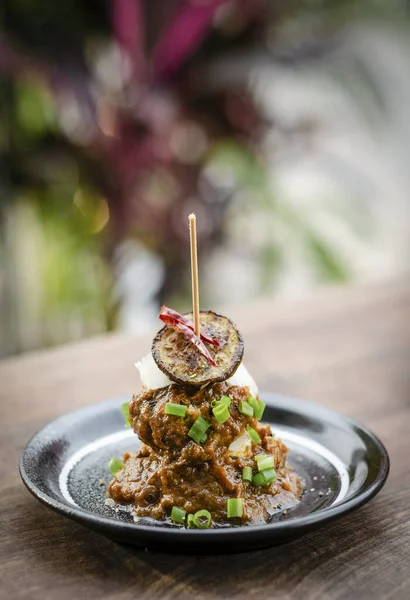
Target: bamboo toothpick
point(194, 273)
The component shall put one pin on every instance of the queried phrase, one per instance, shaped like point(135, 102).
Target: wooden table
point(348, 349)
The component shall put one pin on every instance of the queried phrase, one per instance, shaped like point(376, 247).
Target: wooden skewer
point(194, 273)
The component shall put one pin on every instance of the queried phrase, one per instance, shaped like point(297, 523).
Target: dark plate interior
point(342, 466)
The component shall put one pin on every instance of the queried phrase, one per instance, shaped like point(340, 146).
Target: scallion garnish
point(202, 519)
point(246, 409)
point(225, 400)
point(234, 508)
point(269, 475)
point(178, 515)
point(115, 465)
point(178, 410)
point(265, 463)
point(190, 522)
point(253, 402)
point(253, 434)
point(201, 424)
point(247, 474)
point(221, 413)
point(126, 414)
point(198, 430)
point(264, 477)
point(260, 411)
point(258, 479)
point(257, 405)
point(259, 457)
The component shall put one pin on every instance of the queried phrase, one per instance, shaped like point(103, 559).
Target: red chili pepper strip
point(190, 335)
point(173, 314)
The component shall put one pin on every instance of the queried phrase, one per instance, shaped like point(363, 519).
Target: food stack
point(206, 459)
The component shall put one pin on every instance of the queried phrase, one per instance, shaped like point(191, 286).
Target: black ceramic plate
point(342, 465)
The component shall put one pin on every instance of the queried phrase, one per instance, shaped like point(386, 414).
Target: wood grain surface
point(348, 349)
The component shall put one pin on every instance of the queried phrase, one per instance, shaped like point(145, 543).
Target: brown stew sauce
point(170, 469)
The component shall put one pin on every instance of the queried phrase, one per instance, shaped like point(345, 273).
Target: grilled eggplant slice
point(183, 363)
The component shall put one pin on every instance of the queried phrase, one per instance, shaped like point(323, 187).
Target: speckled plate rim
point(149, 535)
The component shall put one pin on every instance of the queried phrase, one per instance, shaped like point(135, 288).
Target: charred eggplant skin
point(183, 363)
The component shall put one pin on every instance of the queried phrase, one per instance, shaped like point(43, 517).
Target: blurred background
point(284, 125)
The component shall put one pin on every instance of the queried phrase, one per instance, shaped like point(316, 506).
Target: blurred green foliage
point(84, 165)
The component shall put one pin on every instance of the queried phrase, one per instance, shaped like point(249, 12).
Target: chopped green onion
point(253, 402)
point(190, 522)
point(201, 424)
point(178, 410)
point(197, 436)
point(257, 405)
point(178, 514)
point(247, 474)
point(269, 475)
point(246, 409)
point(258, 479)
point(225, 400)
point(253, 434)
point(221, 413)
point(126, 414)
point(259, 457)
point(260, 411)
point(264, 477)
point(198, 429)
point(266, 463)
point(202, 519)
point(234, 507)
point(115, 465)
